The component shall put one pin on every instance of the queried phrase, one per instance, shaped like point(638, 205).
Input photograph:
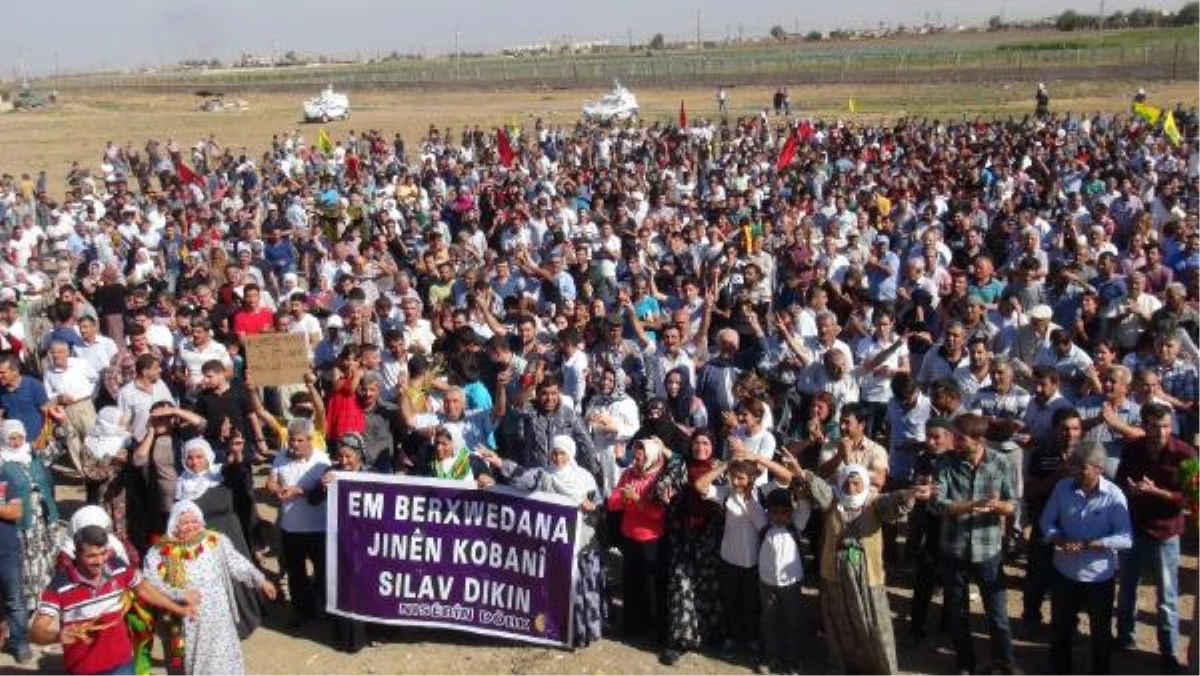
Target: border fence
point(1172, 60)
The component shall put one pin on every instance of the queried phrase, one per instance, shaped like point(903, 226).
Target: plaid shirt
point(971, 537)
point(1179, 379)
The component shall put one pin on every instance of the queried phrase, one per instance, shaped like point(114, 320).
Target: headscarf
point(91, 515)
point(191, 485)
point(663, 427)
point(653, 448)
point(355, 442)
point(22, 455)
point(618, 391)
point(175, 553)
point(851, 505)
point(680, 406)
point(108, 436)
point(572, 480)
point(182, 507)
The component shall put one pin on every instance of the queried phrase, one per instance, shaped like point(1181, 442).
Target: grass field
point(967, 56)
point(79, 127)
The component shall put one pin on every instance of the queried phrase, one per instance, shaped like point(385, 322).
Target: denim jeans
point(1162, 558)
point(14, 602)
point(989, 576)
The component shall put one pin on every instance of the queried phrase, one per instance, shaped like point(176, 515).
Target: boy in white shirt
point(780, 571)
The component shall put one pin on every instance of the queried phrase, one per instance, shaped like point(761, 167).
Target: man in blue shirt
point(1087, 522)
point(21, 397)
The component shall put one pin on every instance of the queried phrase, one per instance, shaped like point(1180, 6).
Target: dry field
point(84, 120)
point(79, 127)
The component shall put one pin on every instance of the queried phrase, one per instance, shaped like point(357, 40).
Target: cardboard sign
point(277, 358)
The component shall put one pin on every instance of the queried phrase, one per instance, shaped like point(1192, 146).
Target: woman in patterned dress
point(192, 557)
point(30, 480)
point(694, 530)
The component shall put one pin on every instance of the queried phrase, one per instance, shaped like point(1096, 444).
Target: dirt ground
point(78, 128)
point(83, 122)
point(273, 649)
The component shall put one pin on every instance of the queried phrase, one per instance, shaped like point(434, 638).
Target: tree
point(1067, 21)
point(778, 33)
point(657, 42)
point(996, 23)
point(1188, 15)
point(813, 36)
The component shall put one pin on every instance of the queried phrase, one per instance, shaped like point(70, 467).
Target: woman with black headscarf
point(657, 421)
point(686, 408)
point(695, 527)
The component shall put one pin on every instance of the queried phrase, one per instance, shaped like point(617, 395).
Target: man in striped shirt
point(87, 603)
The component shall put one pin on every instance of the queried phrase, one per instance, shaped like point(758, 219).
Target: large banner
point(436, 553)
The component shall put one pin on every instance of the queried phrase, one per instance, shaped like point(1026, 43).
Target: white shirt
point(875, 389)
point(761, 444)
point(779, 560)
point(193, 359)
point(298, 515)
point(134, 404)
point(420, 335)
point(743, 521)
point(161, 336)
point(98, 354)
point(77, 381)
point(308, 326)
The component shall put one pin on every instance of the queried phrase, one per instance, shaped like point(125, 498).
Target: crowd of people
point(761, 354)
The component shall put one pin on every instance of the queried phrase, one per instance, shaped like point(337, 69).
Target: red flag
point(789, 151)
point(805, 130)
point(682, 115)
point(186, 175)
point(504, 147)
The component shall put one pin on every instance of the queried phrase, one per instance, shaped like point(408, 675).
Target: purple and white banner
point(437, 553)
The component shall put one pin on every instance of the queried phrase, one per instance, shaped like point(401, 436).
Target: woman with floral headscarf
point(193, 558)
point(612, 418)
point(29, 480)
point(104, 459)
point(349, 635)
point(854, 608)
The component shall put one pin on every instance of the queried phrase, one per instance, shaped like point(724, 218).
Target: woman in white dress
point(192, 557)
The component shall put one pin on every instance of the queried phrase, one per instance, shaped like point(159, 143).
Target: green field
point(1169, 53)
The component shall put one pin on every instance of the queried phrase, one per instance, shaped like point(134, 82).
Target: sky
point(51, 36)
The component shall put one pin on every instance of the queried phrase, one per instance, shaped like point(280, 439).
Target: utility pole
point(1100, 23)
point(699, 18)
point(457, 56)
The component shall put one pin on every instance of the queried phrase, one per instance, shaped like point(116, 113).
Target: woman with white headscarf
point(854, 602)
point(643, 516)
point(612, 417)
point(202, 482)
point(563, 476)
point(27, 479)
point(192, 558)
point(104, 460)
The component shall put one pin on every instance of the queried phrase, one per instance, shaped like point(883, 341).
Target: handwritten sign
point(277, 358)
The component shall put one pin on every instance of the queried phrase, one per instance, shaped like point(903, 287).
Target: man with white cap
point(1029, 339)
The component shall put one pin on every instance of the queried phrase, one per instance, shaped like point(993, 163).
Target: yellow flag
point(1147, 112)
point(324, 145)
point(1170, 130)
point(853, 108)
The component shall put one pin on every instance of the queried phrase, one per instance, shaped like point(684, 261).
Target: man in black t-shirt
point(225, 409)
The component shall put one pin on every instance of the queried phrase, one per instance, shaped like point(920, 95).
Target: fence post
point(1175, 61)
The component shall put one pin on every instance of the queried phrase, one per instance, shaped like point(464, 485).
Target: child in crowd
point(780, 571)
